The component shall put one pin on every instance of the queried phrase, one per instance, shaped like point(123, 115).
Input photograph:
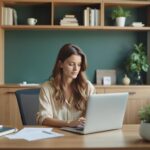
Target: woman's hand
point(79, 122)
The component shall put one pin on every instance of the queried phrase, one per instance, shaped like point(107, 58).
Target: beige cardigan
point(49, 108)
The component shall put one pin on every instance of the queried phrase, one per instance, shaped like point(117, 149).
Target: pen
point(46, 132)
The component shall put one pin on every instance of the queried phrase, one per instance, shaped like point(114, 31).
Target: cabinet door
point(9, 112)
point(138, 97)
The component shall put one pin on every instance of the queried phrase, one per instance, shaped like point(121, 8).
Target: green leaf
point(144, 114)
point(137, 61)
point(120, 12)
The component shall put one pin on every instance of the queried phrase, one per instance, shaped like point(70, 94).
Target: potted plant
point(137, 62)
point(120, 15)
point(144, 130)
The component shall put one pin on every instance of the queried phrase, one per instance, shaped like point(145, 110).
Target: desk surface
point(127, 139)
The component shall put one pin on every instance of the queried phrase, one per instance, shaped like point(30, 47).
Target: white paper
point(29, 84)
point(31, 134)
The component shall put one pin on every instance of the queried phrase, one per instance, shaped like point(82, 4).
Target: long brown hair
point(79, 85)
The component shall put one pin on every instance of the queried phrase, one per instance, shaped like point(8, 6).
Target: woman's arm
point(60, 123)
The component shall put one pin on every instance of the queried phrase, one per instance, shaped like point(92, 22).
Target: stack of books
point(91, 17)
point(6, 130)
point(9, 16)
point(69, 20)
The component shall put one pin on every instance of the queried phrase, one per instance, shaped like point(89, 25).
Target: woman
point(63, 98)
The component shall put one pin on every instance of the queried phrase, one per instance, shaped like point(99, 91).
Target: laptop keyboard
point(80, 128)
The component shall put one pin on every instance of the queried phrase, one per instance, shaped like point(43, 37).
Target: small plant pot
point(145, 131)
point(120, 21)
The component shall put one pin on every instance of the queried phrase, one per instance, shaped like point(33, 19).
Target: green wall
point(30, 54)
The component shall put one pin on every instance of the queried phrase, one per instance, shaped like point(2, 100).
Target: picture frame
point(106, 80)
point(100, 74)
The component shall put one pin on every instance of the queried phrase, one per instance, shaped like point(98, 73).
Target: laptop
point(104, 112)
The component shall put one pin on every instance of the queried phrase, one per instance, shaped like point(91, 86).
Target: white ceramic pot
point(120, 21)
point(145, 131)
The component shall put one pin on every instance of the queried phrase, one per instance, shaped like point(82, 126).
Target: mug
point(31, 21)
point(24, 82)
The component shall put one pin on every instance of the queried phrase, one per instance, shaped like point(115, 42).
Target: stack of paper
point(31, 134)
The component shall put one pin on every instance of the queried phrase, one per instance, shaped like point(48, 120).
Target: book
point(69, 20)
point(15, 17)
point(96, 17)
point(9, 16)
point(4, 16)
point(92, 21)
point(69, 16)
point(91, 17)
point(6, 130)
point(87, 16)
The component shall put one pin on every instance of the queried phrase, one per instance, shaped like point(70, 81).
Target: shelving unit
point(49, 13)
point(52, 13)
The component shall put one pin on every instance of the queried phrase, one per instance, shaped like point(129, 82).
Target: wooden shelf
point(57, 27)
point(50, 27)
point(126, 28)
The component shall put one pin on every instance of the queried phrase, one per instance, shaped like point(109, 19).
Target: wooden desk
point(125, 139)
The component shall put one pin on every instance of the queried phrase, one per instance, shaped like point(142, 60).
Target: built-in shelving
point(53, 16)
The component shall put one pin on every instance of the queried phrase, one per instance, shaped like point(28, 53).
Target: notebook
point(104, 112)
point(6, 130)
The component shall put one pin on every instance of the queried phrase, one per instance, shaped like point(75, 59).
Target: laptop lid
point(104, 112)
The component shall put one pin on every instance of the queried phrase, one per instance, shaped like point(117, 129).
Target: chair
point(28, 105)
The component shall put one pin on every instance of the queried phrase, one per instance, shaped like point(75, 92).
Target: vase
point(120, 21)
point(144, 131)
point(138, 79)
point(126, 80)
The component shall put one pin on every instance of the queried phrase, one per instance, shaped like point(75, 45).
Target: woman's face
point(71, 66)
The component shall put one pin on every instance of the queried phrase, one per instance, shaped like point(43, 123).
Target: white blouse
point(50, 108)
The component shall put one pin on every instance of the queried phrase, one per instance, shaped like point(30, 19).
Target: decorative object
point(137, 63)
point(120, 21)
point(106, 80)
point(69, 20)
point(120, 15)
point(126, 80)
point(105, 73)
point(145, 123)
point(137, 24)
